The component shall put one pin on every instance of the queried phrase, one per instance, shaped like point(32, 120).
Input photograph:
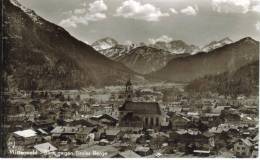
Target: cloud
point(68, 23)
point(173, 11)
point(80, 11)
point(191, 11)
point(257, 25)
point(95, 12)
point(163, 38)
point(136, 10)
point(95, 17)
point(256, 8)
point(97, 6)
point(231, 6)
point(73, 21)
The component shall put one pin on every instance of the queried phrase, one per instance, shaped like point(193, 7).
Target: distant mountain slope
point(216, 44)
point(145, 59)
point(116, 51)
point(175, 47)
point(44, 55)
point(142, 58)
point(110, 48)
point(243, 81)
point(224, 59)
point(104, 43)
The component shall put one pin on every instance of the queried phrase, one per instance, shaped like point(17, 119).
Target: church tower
point(129, 90)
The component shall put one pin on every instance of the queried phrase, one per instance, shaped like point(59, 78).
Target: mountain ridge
point(51, 57)
point(226, 58)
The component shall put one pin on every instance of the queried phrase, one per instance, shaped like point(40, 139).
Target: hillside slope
point(244, 81)
point(228, 58)
point(43, 55)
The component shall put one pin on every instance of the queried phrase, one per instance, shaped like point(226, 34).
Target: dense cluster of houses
point(56, 125)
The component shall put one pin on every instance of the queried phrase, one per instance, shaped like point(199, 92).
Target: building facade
point(139, 114)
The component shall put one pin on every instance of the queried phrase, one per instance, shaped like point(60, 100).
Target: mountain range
point(227, 58)
point(44, 55)
point(216, 44)
point(176, 47)
point(146, 58)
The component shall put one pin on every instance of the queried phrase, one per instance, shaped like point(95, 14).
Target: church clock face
point(129, 88)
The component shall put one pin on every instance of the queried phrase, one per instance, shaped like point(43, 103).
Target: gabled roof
point(141, 107)
point(86, 130)
point(45, 148)
point(64, 130)
point(26, 133)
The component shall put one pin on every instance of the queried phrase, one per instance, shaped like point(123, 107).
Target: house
point(82, 122)
point(249, 109)
point(243, 148)
point(42, 132)
point(190, 137)
point(231, 116)
point(133, 138)
point(112, 134)
point(45, 148)
point(178, 121)
point(44, 124)
point(219, 109)
point(185, 109)
point(140, 114)
point(105, 119)
point(83, 135)
point(65, 130)
point(211, 119)
point(64, 133)
point(26, 137)
point(158, 139)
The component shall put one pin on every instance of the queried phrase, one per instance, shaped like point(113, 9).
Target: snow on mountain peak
point(104, 43)
point(216, 44)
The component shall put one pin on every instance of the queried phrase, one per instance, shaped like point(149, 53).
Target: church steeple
point(129, 90)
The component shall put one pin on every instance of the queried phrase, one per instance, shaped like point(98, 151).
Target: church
point(139, 114)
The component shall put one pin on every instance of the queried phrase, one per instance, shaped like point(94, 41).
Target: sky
point(193, 21)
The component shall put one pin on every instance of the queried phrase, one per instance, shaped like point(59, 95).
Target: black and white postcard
point(129, 78)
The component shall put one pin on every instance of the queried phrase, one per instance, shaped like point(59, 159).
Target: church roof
point(141, 107)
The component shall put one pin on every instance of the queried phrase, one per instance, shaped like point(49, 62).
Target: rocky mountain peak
point(104, 43)
point(216, 44)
